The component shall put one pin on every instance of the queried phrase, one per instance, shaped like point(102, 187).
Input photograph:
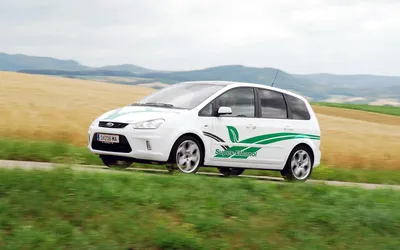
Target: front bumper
point(142, 144)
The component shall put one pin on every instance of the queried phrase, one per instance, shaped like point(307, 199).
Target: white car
point(229, 125)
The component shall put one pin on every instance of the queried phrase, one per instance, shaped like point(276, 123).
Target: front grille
point(112, 124)
point(121, 147)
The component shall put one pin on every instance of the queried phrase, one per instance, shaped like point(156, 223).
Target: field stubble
point(61, 109)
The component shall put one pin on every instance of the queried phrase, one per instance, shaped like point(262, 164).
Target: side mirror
point(224, 111)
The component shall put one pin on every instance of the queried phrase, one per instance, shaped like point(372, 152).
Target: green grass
point(12, 149)
point(389, 110)
point(333, 173)
point(45, 151)
point(64, 209)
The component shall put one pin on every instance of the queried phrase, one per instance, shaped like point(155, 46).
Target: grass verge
point(64, 209)
point(45, 151)
point(388, 110)
point(42, 151)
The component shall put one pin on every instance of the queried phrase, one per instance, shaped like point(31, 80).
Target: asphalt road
point(27, 165)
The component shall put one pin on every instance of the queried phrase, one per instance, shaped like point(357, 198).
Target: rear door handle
point(251, 126)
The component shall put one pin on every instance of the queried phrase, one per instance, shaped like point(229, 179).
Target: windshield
point(181, 95)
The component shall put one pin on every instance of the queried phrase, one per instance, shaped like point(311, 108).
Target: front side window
point(240, 100)
point(298, 108)
point(273, 104)
point(181, 95)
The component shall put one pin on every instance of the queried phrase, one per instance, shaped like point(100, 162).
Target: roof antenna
point(277, 71)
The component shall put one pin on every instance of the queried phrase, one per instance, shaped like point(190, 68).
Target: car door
point(271, 127)
point(231, 132)
point(205, 120)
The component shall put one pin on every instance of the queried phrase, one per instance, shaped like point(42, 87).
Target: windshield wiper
point(158, 104)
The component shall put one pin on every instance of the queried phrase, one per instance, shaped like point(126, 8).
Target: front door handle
point(251, 126)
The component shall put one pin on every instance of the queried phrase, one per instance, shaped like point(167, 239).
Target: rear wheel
point(115, 162)
point(230, 171)
point(299, 165)
point(187, 154)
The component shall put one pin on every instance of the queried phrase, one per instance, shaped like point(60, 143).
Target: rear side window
point(273, 104)
point(298, 108)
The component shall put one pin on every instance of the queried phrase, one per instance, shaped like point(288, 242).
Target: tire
point(299, 165)
point(230, 171)
point(115, 162)
point(187, 154)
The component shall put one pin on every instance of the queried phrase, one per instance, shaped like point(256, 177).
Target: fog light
point(148, 145)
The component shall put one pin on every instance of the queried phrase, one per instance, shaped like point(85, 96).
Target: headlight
point(151, 124)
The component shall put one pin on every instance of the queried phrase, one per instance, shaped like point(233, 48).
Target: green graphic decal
point(233, 134)
point(243, 152)
point(229, 153)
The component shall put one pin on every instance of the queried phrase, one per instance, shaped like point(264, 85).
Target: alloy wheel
point(301, 164)
point(188, 156)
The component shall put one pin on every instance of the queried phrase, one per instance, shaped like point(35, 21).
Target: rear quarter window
point(298, 108)
point(272, 104)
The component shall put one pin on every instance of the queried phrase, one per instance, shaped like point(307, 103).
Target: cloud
point(312, 36)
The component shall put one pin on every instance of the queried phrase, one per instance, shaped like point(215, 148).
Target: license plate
point(108, 138)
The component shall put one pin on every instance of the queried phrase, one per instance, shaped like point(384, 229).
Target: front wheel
point(230, 171)
point(299, 165)
point(115, 162)
point(187, 154)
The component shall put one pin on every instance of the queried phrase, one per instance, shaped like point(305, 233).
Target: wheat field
point(55, 108)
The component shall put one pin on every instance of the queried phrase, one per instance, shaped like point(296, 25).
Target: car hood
point(139, 113)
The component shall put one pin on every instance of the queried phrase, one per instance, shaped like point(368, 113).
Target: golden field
point(56, 108)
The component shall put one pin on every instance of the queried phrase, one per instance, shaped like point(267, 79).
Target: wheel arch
point(306, 145)
point(192, 134)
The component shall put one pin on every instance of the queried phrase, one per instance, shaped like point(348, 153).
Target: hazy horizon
point(334, 37)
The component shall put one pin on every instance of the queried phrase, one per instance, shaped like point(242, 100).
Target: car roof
point(223, 83)
point(247, 84)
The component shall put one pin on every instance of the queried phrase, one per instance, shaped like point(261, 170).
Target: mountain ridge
point(319, 86)
point(354, 80)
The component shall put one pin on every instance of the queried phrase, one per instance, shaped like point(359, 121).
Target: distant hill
point(310, 89)
point(353, 81)
point(226, 73)
point(18, 62)
point(316, 87)
point(92, 72)
point(127, 67)
point(243, 74)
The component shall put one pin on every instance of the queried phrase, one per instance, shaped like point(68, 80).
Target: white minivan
point(229, 125)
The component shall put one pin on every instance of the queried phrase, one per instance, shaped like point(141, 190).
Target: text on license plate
point(108, 138)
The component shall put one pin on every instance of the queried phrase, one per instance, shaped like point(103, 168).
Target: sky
point(297, 36)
